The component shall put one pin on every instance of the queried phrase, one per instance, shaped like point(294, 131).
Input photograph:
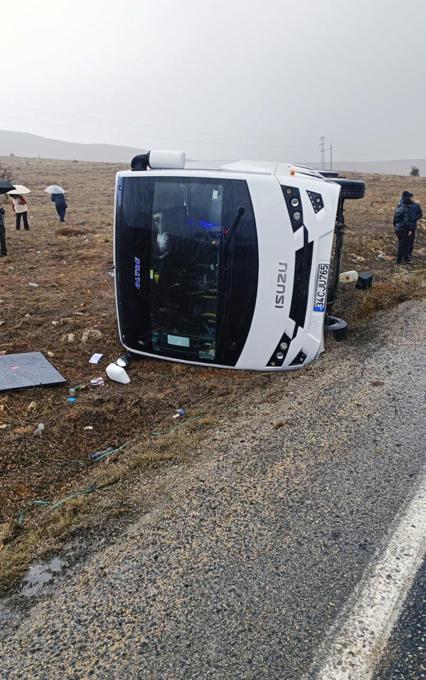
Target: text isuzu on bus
point(223, 267)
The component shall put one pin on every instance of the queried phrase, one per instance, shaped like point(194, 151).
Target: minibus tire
point(351, 189)
point(336, 326)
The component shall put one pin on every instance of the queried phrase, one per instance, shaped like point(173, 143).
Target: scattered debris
point(95, 358)
point(365, 281)
point(27, 369)
point(348, 277)
point(32, 406)
point(40, 428)
point(97, 382)
point(88, 427)
point(117, 373)
point(71, 400)
point(377, 383)
point(33, 285)
point(68, 337)
point(77, 388)
point(180, 413)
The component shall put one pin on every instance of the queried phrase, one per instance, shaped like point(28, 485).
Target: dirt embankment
point(71, 266)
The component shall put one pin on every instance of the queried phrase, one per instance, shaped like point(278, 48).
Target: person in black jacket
point(3, 248)
point(60, 205)
point(405, 222)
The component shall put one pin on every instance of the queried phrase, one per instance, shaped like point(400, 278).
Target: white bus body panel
point(277, 243)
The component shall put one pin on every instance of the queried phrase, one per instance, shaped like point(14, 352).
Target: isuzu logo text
point(281, 282)
point(321, 292)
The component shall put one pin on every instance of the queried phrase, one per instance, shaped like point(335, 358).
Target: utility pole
point(322, 150)
point(331, 157)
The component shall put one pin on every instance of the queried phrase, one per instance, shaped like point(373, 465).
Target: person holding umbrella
point(58, 197)
point(20, 206)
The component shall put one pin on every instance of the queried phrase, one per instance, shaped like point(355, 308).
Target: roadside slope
point(247, 556)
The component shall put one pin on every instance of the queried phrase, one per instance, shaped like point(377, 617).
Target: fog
point(220, 78)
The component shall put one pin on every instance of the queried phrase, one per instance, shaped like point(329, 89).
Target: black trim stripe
point(302, 275)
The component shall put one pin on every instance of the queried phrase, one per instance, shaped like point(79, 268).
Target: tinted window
point(181, 293)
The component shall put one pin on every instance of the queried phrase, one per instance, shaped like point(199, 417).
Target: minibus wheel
point(350, 188)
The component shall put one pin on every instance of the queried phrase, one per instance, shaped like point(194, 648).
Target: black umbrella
point(5, 186)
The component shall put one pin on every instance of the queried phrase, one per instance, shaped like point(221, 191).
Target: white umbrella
point(54, 189)
point(19, 190)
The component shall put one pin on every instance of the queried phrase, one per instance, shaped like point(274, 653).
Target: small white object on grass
point(95, 358)
point(348, 277)
point(117, 373)
point(40, 428)
point(97, 382)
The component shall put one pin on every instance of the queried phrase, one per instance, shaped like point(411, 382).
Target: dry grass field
point(75, 294)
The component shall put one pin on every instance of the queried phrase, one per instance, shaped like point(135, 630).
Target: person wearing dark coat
point(3, 248)
point(60, 205)
point(405, 222)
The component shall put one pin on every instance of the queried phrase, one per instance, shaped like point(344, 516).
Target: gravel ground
point(248, 554)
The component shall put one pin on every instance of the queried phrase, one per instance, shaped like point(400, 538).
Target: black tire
point(338, 327)
point(329, 173)
point(350, 188)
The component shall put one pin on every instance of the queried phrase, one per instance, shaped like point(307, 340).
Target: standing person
point(405, 223)
point(60, 205)
point(3, 248)
point(20, 208)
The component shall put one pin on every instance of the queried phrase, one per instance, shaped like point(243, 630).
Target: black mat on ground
point(29, 369)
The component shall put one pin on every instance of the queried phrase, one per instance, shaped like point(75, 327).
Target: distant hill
point(33, 146)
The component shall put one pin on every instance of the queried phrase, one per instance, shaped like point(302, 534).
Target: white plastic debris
point(33, 285)
point(97, 382)
point(117, 373)
point(95, 358)
point(349, 277)
point(40, 428)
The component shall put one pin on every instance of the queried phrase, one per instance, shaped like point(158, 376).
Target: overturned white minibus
point(225, 266)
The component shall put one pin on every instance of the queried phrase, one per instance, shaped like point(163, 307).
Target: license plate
point(321, 290)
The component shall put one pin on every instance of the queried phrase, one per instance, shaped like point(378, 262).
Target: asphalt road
point(250, 552)
point(405, 655)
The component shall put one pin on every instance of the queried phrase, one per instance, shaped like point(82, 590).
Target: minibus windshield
point(173, 292)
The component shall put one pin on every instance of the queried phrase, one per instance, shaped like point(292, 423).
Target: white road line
point(357, 641)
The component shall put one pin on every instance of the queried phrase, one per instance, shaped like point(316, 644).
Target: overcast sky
point(260, 79)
